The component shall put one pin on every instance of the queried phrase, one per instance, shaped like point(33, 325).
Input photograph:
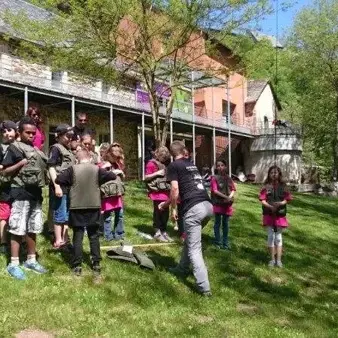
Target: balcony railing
point(123, 97)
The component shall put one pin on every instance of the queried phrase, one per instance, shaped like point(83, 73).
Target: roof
point(19, 6)
point(256, 88)
point(258, 36)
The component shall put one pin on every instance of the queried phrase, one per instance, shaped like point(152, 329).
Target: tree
point(153, 40)
point(314, 57)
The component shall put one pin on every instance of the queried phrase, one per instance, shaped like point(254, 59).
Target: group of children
point(274, 196)
point(86, 188)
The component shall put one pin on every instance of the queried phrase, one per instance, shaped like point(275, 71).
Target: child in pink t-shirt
point(113, 159)
point(155, 168)
point(222, 193)
point(274, 197)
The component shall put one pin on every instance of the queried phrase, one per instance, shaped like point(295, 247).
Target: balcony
point(18, 71)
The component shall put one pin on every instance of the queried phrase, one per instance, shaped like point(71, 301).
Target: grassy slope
point(249, 299)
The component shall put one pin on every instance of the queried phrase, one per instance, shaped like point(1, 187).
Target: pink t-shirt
point(151, 168)
point(110, 203)
point(222, 209)
point(39, 138)
point(273, 220)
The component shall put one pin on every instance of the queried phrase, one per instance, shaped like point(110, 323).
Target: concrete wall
point(260, 154)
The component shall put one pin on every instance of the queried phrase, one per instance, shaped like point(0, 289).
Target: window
point(225, 109)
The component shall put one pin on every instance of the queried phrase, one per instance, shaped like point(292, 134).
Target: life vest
point(224, 187)
point(34, 172)
point(158, 183)
point(275, 195)
point(67, 160)
point(112, 188)
point(85, 192)
point(4, 179)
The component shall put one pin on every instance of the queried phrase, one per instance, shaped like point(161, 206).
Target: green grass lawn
point(249, 299)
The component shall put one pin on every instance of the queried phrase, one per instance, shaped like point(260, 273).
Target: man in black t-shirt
point(186, 183)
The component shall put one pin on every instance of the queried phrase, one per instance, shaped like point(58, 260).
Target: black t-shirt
point(5, 188)
point(190, 183)
point(13, 156)
point(55, 159)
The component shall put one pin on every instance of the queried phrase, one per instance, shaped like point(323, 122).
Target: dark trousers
point(160, 218)
point(94, 242)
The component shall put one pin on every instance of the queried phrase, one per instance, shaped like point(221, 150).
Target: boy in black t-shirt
point(186, 182)
point(60, 158)
point(26, 165)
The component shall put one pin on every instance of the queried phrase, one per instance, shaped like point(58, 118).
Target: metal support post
point(111, 123)
point(229, 126)
point(143, 147)
point(73, 111)
point(25, 100)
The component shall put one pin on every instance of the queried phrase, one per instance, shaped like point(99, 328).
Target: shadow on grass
point(166, 262)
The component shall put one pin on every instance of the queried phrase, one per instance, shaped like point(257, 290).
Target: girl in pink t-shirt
point(39, 138)
point(222, 192)
point(113, 159)
point(274, 197)
point(155, 169)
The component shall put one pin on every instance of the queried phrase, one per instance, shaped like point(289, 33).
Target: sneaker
point(167, 237)
point(279, 264)
point(16, 272)
point(159, 237)
point(77, 271)
point(271, 264)
point(36, 267)
point(157, 234)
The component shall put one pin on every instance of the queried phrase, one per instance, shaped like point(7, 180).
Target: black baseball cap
point(7, 124)
point(62, 129)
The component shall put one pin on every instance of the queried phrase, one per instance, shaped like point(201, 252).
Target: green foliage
point(154, 41)
point(249, 299)
point(314, 45)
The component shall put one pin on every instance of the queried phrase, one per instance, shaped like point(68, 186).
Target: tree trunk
point(168, 113)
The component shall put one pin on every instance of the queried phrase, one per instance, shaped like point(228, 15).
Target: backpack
point(34, 172)
point(158, 183)
point(112, 188)
point(223, 185)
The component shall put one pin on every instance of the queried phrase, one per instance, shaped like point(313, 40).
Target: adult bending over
point(186, 182)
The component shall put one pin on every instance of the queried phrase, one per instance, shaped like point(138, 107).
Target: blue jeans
point(118, 232)
point(59, 207)
point(224, 220)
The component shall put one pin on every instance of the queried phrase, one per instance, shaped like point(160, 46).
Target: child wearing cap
point(60, 158)
point(26, 166)
point(8, 131)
